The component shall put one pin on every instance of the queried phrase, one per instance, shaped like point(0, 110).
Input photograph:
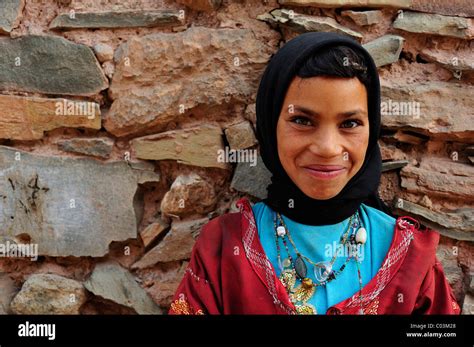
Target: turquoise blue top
point(318, 244)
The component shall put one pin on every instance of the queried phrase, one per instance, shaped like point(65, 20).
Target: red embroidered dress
point(229, 273)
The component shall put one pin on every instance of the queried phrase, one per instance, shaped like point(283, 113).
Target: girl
point(322, 241)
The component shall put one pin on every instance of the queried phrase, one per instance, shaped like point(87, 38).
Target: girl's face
point(323, 133)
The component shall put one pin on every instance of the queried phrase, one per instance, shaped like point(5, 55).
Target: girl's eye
point(353, 123)
point(304, 121)
point(301, 120)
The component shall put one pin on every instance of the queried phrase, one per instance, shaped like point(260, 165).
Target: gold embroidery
point(455, 305)
point(305, 309)
point(301, 293)
point(372, 307)
point(288, 278)
point(298, 294)
point(181, 306)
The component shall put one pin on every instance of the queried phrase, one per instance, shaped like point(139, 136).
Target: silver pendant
point(280, 265)
point(322, 271)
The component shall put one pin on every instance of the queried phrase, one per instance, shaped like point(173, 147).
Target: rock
point(180, 28)
point(103, 52)
point(364, 18)
point(240, 135)
point(457, 225)
point(176, 245)
point(188, 194)
point(348, 3)
point(448, 258)
point(448, 255)
point(412, 139)
point(147, 176)
point(303, 23)
point(463, 60)
point(145, 171)
point(152, 231)
point(49, 65)
point(163, 285)
point(462, 8)
point(116, 19)
point(439, 177)
point(109, 69)
point(391, 152)
point(252, 180)
point(202, 5)
point(112, 282)
point(98, 147)
point(27, 118)
point(67, 206)
point(185, 145)
point(163, 76)
point(465, 260)
point(250, 114)
point(386, 49)
point(7, 291)
point(435, 24)
point(10, 13)
point(436, 109)
point(426, 202)
point(393, 165)
point(468, 305)
point(49, 294)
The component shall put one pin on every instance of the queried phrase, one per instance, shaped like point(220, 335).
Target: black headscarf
point(362, 188)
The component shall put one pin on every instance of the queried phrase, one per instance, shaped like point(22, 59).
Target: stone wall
point(112, 112)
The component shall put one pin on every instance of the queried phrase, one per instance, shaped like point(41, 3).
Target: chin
point(322, 195)
point(320, 191)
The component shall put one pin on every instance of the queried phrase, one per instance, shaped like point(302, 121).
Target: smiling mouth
point(324, 171)
point(325, 168)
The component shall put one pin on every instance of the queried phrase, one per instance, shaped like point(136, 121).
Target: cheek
point(289, 144)
point(358, 149)
point(283, 146)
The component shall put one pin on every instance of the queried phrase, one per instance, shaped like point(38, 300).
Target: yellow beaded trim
point(181, 306)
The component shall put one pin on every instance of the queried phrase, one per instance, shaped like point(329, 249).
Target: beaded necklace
point(293, 270)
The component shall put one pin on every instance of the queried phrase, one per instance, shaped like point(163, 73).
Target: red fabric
point(229, 274)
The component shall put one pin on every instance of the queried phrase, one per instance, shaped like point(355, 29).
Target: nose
point(326, 143)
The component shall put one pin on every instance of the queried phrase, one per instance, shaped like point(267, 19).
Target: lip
point(325, 167)
point(324, 171)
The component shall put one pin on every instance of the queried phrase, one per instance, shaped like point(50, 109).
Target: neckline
point(306, 225)
point(395, 254)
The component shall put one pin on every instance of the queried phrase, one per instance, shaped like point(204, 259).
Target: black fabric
point(362, 188)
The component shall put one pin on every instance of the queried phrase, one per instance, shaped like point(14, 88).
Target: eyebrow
point(312, 113)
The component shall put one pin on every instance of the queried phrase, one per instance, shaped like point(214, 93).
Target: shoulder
point(424, 241)
point(424, 237)
point(379, 217)
point(410, 236)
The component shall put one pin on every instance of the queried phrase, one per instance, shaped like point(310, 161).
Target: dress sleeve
point(436, 295)
point(195, 293)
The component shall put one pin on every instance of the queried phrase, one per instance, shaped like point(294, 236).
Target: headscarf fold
point(283, 195)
